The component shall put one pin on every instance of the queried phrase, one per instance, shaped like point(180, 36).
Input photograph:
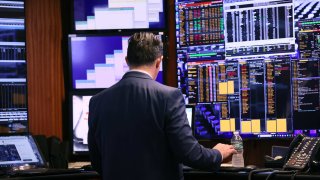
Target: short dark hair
point(144, 48)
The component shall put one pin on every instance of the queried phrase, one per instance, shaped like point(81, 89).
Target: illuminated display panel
point(257, 83)
point(255, 28)
point(13, 69)
point(99, 61)
point(118, 14)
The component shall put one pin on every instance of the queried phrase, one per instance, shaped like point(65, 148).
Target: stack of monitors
point(97, 62)
point(13, 69)
point(250, 66)
point(97, 51)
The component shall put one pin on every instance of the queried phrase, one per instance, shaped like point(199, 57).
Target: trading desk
point(188, 175)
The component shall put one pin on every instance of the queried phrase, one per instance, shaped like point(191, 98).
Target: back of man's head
point(144, 48)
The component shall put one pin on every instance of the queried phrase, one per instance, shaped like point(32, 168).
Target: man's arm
point(185, 147)
point(92, 140)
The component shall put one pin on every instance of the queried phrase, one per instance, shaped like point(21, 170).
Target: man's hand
point(226, 151)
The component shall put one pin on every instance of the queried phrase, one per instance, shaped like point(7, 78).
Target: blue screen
point(99, 61)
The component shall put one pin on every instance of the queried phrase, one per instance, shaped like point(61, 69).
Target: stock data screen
point(247, 95)
point(115, 14)
point(309, 38)
point(255, 28)
point(99, 61)
point(200, 30)
point(250, 65)
point(13, 72)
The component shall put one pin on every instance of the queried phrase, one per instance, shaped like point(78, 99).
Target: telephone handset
point(304, 154)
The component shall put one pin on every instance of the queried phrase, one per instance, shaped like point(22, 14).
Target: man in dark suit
point(138, 128)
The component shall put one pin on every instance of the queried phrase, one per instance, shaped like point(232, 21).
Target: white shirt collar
point(142, 71)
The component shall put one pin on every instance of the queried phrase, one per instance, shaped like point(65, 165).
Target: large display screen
point(80, 113)
point(263, 76)
point(13, 70)
point(115, 14)
point(99, 61)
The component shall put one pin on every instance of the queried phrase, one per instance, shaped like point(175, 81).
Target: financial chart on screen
point(118, 14)
point(259, 27)
point(13, 72)
point(99, 61)
point(250, 66)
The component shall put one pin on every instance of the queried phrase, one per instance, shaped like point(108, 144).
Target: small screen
point(18, 151)
point(80, 113)
point(115, 14)
point(189, 112)
point(99, 61)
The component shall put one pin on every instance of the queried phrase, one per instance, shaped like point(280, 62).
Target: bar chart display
point(250, 66)
point(119, 14)
point(252, 96)
point(99, 61)
point(13, 70)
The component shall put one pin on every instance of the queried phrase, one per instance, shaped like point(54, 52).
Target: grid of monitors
point(99, 61)
point(115, 14)
point(13, 86)
point(97, 51)
point(249, 65)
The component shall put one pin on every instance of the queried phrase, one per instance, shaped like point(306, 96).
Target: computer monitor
point(115, 15)
point(19, 150)
point(13, 69)
point(258, 97)
point(99, 61)
point(80, 112)
point(254, 28)
point(264, 80)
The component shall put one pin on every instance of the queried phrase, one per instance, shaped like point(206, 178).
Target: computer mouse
point(251, 166)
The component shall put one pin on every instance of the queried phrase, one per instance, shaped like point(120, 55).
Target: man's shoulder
point(99, 95)
point(164, 88)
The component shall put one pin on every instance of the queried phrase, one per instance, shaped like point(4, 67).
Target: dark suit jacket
point(138, 129)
